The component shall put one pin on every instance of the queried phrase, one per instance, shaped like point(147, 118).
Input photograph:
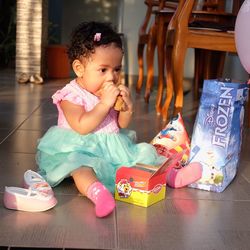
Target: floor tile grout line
point(19, 125)
point(246, 179)
point(116, 230)
point(217, 200)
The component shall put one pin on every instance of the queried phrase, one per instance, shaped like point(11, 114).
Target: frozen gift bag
point(216, 139)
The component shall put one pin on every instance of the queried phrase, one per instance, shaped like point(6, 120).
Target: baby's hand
point(109, 94)
point(126, 96)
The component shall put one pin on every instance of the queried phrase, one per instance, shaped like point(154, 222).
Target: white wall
point(77, 11)
point(134, 12)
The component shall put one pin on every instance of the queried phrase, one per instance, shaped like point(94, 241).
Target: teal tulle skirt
point(60, 151)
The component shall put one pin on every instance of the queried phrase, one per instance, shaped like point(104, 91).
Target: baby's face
point(103, 67)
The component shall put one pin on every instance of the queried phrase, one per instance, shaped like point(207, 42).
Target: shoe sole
point(13, 202)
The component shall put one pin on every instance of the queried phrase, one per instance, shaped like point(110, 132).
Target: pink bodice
point(73, 93)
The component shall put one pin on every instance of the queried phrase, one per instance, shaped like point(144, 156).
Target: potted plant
point(7, 33)
point(56, 54)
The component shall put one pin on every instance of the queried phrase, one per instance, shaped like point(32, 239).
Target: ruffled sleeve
point(67, 93)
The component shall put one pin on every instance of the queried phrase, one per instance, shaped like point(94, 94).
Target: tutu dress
point(62, 150)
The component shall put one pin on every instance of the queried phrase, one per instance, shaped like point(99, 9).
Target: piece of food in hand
point(119, 103)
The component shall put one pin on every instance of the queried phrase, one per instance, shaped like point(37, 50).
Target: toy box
point(142, 184)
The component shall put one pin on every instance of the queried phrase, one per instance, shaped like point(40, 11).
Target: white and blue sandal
point(35, 181)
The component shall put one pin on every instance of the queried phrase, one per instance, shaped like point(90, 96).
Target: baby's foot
point(102, 198)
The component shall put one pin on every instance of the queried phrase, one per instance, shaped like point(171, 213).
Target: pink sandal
point(35, 181)
point(28, 200)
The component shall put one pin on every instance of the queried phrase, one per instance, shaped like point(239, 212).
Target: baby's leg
point(88, 185)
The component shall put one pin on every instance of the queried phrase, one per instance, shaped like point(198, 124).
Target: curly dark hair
point(82, 42)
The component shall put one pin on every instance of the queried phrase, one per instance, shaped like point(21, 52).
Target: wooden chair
point(163, 24)
point(143, 36)
point(148, 36)
point(162, 20)
point(180, 37)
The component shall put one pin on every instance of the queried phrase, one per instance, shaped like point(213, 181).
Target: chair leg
point(169, 84)
point(161, 62)
point(202, 69)
point(198, 72)
point(140, 49)
point(216, 64)
point(207, 60)
point(208, 65)
point(150, 62)
point(206, 70)
point(178, 58)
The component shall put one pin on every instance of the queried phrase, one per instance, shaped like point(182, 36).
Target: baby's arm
point(85, 122)
point(125, 115)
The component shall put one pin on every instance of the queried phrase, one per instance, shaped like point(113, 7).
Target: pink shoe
point(181, 177)
point(35, 181)
point(27, 199)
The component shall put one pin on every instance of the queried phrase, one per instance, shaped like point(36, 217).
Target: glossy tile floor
point(186, 219)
